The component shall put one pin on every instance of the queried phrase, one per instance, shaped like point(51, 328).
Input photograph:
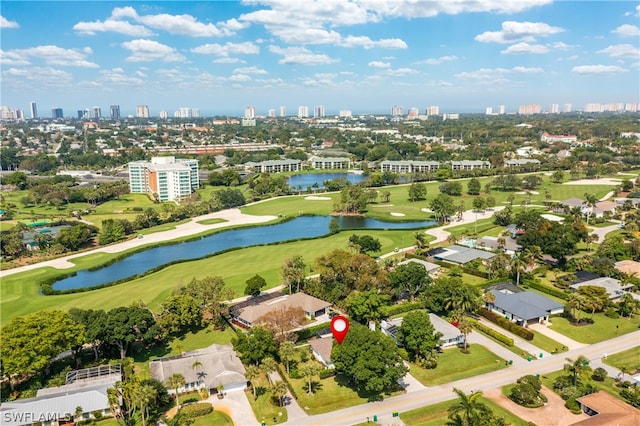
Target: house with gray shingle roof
point(321, 350)
point(246, 314)
point(523, 307)
point(461, 254)
point(451, 336)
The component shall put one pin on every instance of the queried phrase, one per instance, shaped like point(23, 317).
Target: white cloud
point(438, 61)
point(424, 9)
point(118, 77)
point(50, 55)
point(400, 72)
point(513, 31)
point(46, 76)
point(627, 30)
point(240, 78)
point(523, 48)
point(187, 25)
point(245, 48)
point(598, 69)
point(228, 60)
point(379, 64)
point(112, 25)
point(634, 13)
point(249, 70)
point(301, 55)
point(367, 43)
point(621, 50)
point(496, 73)
point(143, 50)
point(6, 24)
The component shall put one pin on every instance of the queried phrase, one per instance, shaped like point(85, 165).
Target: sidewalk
point(560, 338)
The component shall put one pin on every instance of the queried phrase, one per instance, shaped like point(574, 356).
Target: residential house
point(205, 368)
point(321, 350)
point(460, 254)
point(247, 313)
point(86, 388)
point(431, 268)
point(546, 137)
point(451, 336)
point(510, 246)
point(606, 410)
point(630, 267)
point(522, 307)
point(615, 289)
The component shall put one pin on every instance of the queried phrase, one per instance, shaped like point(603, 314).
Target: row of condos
point(287, 165)
point(166, 178)
point(430, 166)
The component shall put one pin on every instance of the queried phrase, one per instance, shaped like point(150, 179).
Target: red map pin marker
point(339, 328)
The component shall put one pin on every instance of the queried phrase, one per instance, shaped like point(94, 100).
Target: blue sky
point(363, 55)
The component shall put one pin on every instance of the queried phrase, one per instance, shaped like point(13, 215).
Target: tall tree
point(309, 370)
point(254, 285)
point(252, 372)
point(417, 335)
point(175, 382)
point(469, 410)
point(577, 367)
point(210, 292)
point(124, 325)
point(411, 277)
point(178, 313)
point(286, 351)
point(473, 186)
point(417, 191)
point(443, 207)
point(255, 345)
point(465, 327)
point(292, 272)
point(282, 321)
point(279, 390)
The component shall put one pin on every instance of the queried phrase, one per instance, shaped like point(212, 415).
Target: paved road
point(433, 395)
point(602, 232)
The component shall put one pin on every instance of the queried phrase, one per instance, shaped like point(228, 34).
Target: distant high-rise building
point(433, 110)
point(97, 112)
point(413, 112)
point(345, 113)
point(185, 112)
point(142, 111)
point(501, 110)
point(271, 113)
point(318, 111)
point(554, 109)
point(529, 109)
point(80, 114)
point(56, 113)
point(283, 111)
point(396, 111)
point(593, 107)
point(303, 111)
point(115, 112)
point(567, 108)
point(250, 112)
point(34, 109)
point(163, 114)
point(488, 111)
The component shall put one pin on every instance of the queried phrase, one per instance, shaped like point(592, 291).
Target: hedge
point(545, 289)
point(506, 324)
point(310, 332)
point(196, 410)
point(287, 382)
point(494, 334)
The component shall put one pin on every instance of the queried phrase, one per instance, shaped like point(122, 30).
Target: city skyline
point(362, 56)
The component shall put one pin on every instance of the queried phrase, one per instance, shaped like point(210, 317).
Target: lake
point(300, 227)
point(307, 180)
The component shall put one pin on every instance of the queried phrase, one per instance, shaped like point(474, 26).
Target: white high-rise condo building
point(488, 111)
point(142, 111)
point(567, 108)
point(554, 109)
point(318, 111)
point(529, 109)
point(345, 113)
point(163, 114)
point(271, 113)
point(433, 110)
point(303, 111)
point(501, 110)
point(396, 111)
point(283, 111)
point(33, 109)
point(164, 178)
point(250, 112)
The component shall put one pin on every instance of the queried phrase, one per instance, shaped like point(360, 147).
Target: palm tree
point(421, 240)
point(577, 302)
point(624, 369)
point(309, 370)
point(252, 372)
point(268, 366)
point(591, 238)
point(279, 390)
point(577, 367)
point(489, 298)
point(465, 327)
point(468, 410)
point(287, 349)
point(176, 381)
point(591, 201)
point(518, 264)
point(142, 396)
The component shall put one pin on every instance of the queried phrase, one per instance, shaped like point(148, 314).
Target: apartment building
point(169, 178)
point(330, 162)
point(409, 166)
point(470, 165)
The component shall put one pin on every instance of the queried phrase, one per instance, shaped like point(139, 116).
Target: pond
point(300, 227)
point(307, 180)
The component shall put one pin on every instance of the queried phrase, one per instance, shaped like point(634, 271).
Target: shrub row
point(506, 324)
point(388, 311)
point(196, 410)
point(545, 289)
point(325, 373)
point(308, 333)
point(286, 380)
point(494, 334)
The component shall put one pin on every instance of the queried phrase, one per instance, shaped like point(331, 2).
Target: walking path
point(517, 340)
point(469, 216)
point(558, 337)
point(602, 232)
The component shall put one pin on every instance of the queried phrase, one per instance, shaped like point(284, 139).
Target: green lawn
point(265, 407)
point(217, 418)
point(603, 328)
point(436, 415)
point(454, 365)
point(629, 358)
point(211, 221)
point(546, 343)
point(19, 293)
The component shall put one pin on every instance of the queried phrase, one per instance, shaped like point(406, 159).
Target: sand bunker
point(316, 198)
point(426, 210)
point(601, 181)
point(397, 214)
